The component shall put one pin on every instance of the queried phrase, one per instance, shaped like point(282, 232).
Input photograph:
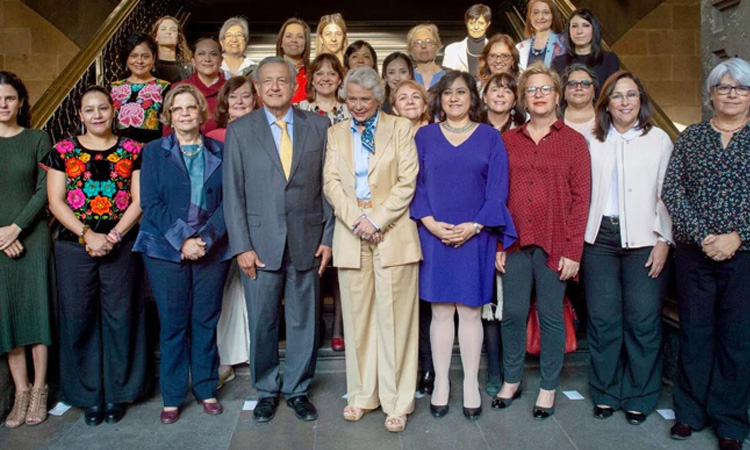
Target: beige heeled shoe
point(37, 412)
point(17, 416)
point(395, 424)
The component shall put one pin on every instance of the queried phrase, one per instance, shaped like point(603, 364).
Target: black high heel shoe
point(501, 403)
point(540, 413)
point(439, 411)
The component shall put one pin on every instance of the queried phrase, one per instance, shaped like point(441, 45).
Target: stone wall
point(31, 47)
point(664, 50)
point(724, 33)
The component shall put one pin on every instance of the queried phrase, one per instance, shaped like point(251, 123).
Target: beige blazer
point(392, 177)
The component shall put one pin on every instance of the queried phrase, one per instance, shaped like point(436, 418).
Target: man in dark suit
point(280, 228)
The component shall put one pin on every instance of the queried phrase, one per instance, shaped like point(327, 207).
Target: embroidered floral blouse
point(138, 106)
point(97, 181)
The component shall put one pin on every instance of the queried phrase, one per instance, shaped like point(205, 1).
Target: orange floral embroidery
point(100, 205)
point(124, 167)
point(74, 167)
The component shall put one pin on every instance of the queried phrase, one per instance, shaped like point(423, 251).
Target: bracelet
point(81, 239)
point(117, 234)
point(477, 230)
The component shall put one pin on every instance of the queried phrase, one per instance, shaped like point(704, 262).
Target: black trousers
point(713, 378)
point(103, 354)
point(526, 269)
point(624, 327)
point(425, 349)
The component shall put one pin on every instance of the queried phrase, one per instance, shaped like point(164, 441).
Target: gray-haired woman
point(234, 35)
point(370, 175)
point(706, 190)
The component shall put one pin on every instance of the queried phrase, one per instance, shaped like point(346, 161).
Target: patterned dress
point(138, 106)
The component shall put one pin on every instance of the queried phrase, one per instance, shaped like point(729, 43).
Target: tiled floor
point(572, 426)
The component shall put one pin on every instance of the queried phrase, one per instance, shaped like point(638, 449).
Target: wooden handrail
point(53, 97)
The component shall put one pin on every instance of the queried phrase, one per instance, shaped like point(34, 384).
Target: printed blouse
point(97, 181)
point(138, 106)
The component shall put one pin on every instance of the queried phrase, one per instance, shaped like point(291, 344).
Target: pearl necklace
point(713, 122)
point(190, 154)
point(455, 130)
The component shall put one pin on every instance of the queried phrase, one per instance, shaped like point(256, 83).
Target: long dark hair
point(597, 54)
point(604, 117)
point(517, 115)
point(24, 111)
point(357, 46)
point(131, 43)
point(389, 59)
point(305, 56)
point(436, 106)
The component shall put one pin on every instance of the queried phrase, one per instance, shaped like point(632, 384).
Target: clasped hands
point(449, 234)
point(364, 229)
point(721, 247)
point(9, 243)
point(193, 249)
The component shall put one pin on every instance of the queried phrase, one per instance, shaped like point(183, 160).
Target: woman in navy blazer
point(184, 243)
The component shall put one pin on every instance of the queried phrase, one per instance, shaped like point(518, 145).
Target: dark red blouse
point(550, 190)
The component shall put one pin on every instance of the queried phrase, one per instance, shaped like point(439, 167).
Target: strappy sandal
point(37, 412)
point(354, 414)
point(17, 416)
point(395, 424)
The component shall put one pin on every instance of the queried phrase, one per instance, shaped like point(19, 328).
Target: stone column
point(724, 34)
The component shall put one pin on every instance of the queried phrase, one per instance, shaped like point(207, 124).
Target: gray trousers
point(526, 269)
point(624, 327)
point(301, 293)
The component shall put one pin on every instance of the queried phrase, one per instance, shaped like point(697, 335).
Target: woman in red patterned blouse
point(550, 184)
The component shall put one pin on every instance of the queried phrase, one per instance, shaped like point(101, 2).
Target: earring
point(81, 129)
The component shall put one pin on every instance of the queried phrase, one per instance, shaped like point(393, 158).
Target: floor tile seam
point(565, 433)
point(481, 432)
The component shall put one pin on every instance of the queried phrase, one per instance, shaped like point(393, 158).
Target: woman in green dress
point(25, 246)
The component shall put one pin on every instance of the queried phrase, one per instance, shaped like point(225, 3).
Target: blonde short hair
point(537, 69)
point(166, 109)
point(419, 88)
point(431, 27)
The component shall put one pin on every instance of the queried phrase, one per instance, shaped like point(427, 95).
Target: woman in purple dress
point(460, 202)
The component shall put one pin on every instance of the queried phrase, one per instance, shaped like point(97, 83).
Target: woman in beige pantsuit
point(370, 176)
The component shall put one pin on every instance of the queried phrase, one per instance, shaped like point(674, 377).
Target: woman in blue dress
point(460, 202)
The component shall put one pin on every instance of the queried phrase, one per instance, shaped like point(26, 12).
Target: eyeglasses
point(178, 110)
point(725, 89)
point(544, 89)
point(425, 42)
point(619, 97)
point(238, 36)
point(504, 57)
point(584, 84)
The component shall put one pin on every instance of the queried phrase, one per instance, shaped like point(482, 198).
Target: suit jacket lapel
point(262, 132)
point(213, 160)
point(383, 135)
point(172, 147)
point(300, 140)
point(345, 140)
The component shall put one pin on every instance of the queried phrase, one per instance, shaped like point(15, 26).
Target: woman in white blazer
point(625, 256)
point(464, 55)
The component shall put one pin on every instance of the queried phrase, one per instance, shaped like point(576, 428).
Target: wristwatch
point(477, 230)
point(81, 235)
